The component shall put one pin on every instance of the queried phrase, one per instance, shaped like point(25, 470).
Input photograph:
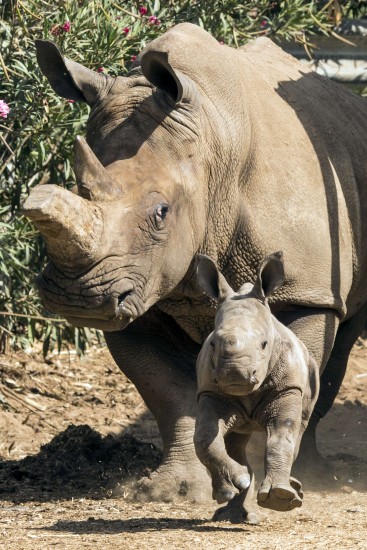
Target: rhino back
point(303, 187)
point(290, 175)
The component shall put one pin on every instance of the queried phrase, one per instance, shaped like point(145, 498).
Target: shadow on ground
point(137, 525)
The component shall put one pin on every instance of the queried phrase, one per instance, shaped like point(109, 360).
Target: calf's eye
point(264, 344)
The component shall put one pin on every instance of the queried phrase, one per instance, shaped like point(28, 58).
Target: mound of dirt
point(78, 462)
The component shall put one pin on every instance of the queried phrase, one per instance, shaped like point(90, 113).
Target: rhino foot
point(171, 483)
point(281, 497)
point(235, 514)
point(225, 488)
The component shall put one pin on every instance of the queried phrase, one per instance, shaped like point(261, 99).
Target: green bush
point(36, 140)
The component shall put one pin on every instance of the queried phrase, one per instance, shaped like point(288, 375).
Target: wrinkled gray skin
point(253, 374)
point(228, 153)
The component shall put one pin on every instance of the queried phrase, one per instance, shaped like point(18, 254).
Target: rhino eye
point(160, 214)
point(264, 344)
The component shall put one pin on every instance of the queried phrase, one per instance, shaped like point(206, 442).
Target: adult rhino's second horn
point(70, 225)
point(93, 180)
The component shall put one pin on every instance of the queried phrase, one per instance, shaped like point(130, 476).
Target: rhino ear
point(159, 72)
point(68, 78)
point(270, 276)
point(210, 280)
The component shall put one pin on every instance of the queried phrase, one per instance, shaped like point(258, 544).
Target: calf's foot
point(281, 497)
point(235, 514)
point(240, 508)
point(227, 481)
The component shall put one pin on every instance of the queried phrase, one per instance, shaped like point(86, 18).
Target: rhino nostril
point(122, 296)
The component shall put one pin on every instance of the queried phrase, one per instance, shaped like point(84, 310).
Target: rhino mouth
point(111, 299)
point(237, 389)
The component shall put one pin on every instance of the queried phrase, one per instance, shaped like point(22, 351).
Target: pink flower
point(100, 69)
point(66, 26)
point(154, 20)
point(4, 109)
point(143, 10)
point(133, 57)
point(126, 30)
point(221, 42)
point(70, 100)
point(263, 23)
point(56, 30)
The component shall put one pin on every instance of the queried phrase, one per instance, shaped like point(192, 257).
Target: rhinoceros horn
point(93, 180)
point(70, 225)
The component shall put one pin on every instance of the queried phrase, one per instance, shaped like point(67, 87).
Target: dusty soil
point(73, 431)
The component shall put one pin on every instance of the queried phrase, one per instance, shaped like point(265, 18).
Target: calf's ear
point(270, 276)
point(68, 78)
point(210, 280)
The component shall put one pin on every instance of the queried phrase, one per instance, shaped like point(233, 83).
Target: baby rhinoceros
point(253, 374)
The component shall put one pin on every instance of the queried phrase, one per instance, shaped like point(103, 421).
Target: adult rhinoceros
point(229, 153)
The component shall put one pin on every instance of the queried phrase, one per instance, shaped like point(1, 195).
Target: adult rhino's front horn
point(71, 226)
point(93, 180)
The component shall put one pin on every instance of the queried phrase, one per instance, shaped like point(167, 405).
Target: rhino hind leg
point(161, 364)
point(309, 461)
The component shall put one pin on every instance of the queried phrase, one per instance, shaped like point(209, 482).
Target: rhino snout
point(129, 305)
point(235, 379)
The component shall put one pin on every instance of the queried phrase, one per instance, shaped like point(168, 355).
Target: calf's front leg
point(214, 421)
point(241, 508)
point(283, 421)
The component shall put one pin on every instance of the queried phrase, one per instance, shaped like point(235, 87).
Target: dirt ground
point(73, 430)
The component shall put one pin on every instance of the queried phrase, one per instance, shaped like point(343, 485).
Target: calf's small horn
point(70, 225)
point(93, 180)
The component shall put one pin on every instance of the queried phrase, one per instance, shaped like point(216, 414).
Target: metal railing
point(343, 59)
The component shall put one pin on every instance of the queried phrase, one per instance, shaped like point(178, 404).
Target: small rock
point(356, 509)
point(347, 489)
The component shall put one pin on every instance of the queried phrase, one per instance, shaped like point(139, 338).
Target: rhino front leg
point(279, 491)
point(161, 364)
